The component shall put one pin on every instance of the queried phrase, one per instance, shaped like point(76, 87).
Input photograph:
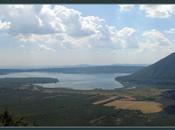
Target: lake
point(75, 81)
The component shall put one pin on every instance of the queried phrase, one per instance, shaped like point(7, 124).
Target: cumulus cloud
point(69, 21)
point(155, 40)
point(125, 37)
point(126, 31)
point(126, 7)
point(158, 11)
point(46, 19)
point(41, 28)
point(23, 19)
point(64, 27)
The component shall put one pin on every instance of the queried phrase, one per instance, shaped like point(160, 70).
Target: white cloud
point(124, 38)
point(126, 7)
point(158, 11)
point(126, 31)
point(63, 27)
point(24, 19)
point(4, 25)
point(44, 47)
point(156, 41)
point(47, 38)
point(170, 31)
point(67, 20)
point(46, 28)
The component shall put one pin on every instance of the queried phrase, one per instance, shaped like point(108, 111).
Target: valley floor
point(66, 107)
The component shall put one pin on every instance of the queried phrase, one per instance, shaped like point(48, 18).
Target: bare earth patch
point(105, 100)
point(144, 106)
point(127, 99)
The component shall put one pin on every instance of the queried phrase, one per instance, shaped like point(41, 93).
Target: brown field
point(144, 106)
point(143, 99)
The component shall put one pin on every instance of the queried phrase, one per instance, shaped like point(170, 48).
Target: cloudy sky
point(41, 35)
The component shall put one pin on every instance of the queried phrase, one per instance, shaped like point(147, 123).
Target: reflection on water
point(75, 81)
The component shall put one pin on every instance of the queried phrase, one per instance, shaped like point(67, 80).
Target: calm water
point(75, 81)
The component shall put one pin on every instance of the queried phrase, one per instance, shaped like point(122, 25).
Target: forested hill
point(161, 72)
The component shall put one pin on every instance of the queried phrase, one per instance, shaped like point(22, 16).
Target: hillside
point(161, 72)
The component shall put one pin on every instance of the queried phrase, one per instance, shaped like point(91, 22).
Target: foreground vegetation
point(62, 108)
point(7, 119)
point(67, 107)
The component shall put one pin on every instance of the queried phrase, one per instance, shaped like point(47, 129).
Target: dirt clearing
point(144, 106)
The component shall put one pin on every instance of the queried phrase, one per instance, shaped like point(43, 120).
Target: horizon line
point(74, 65)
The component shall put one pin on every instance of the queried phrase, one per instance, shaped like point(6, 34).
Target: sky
point(46, 35)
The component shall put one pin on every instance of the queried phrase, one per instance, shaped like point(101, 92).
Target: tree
point(6, 119)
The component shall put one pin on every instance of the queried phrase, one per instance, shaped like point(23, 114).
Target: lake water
point(75, 81)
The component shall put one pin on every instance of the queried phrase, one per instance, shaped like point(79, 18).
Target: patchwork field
point(129, 103)
point(145, 100)
point(144, 106)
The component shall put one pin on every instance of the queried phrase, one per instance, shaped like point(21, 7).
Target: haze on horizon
point(43, 35)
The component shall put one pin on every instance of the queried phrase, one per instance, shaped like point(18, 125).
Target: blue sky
point(41, 35)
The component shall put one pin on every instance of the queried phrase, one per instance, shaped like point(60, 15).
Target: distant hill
point(80, 70)
point(161, 72)
point(93, 69)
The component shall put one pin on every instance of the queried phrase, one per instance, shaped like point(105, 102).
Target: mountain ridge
point(161, 72)
point(79, 70)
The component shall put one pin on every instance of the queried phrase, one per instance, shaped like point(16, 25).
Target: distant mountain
point(84, 69)
point(90, 69)
point(161, 72)
point(64, 66)
point(131, 64)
